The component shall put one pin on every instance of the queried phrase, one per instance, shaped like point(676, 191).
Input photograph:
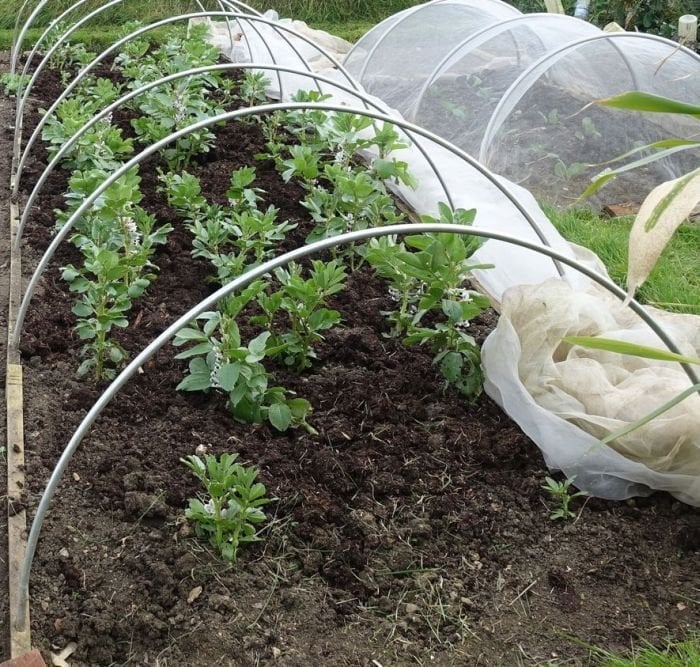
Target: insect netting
point(516, 91)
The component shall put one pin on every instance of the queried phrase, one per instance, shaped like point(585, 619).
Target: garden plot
point(406, 521)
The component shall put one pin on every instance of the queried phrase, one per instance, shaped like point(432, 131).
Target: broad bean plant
point(117, 239)
point(427, 274)
point(220, 360)
point(231, 508)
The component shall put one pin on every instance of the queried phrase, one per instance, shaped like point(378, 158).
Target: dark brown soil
point(411, 530)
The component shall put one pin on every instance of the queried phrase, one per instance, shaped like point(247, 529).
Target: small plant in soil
point(252, 91)
point(67, 57)
point(171, 108)
point(230, 511)
point(560, 492)
point(220, 360)
point(426, 274)
point(105, 297)
point(233, 238)
point(117, 240)
point(303, 299)
point(11, 83)
point(102, 146)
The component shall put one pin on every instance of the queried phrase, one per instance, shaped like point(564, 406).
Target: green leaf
point(200, 348)
point(70, 274)
point(452, 309)
point(451, 366)
point(82, 310)
point(195, 382)
point(86, 367)
point(638, 101)
point(632, 349)
point(188, 334)
point(280, 416)
point(228, 376)
point(199, 377)
point(257, 346)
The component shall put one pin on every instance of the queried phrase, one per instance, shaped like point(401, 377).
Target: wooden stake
point(20, 634)
point(554, 6)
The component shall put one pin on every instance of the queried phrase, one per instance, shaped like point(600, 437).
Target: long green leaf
point(656, 145)
point(652, 415)
point(608, 174)
point(638, 101)
point(632, 349)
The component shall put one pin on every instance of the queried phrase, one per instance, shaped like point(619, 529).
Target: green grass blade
point(637, 101)
point(632, 349)
point(652, 415)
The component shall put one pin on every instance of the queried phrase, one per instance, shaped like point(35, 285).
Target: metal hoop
point(480, 37)
point(241, 113)
point(539, 67)
point(369, 102)
point(147, 353)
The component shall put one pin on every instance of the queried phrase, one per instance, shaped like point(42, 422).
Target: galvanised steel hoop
point(15, 46)
point(242, 113)
point(21, 102)
point(368, 101)
point(85, 71)
point(46, 58)
point(71, 9)
point(540, 66)
point(20, 40)
point(475, 40)
point(150, 350)
point(17, 41)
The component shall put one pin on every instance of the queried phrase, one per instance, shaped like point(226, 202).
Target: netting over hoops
point(515, 91)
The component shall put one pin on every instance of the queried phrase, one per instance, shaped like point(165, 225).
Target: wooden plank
point(20, 639)
point(15, 295)
point(20, 632)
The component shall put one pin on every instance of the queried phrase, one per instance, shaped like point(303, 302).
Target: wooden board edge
point(20, 633)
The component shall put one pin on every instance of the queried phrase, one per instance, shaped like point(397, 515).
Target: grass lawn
point(674, 283)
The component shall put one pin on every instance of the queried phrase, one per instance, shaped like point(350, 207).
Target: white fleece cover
point(564, 398)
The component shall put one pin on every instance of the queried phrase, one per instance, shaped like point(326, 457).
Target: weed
point(560, 492)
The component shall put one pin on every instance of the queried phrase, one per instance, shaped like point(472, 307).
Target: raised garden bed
point(411, 529)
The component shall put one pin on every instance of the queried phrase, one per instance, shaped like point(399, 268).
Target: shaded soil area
point(411, 530)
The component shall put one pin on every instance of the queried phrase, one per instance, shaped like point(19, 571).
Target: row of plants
point(276, 322)
point(117, 238)
point(425, 274)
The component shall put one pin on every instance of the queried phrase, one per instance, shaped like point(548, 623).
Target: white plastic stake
point(688, 28)
point(554, 6)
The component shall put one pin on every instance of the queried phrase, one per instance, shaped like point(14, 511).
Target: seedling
point(220, 360)
point(229, 513)
point(303, 300)
point(560, 492)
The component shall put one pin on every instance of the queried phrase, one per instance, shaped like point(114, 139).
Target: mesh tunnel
point(516, 90)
